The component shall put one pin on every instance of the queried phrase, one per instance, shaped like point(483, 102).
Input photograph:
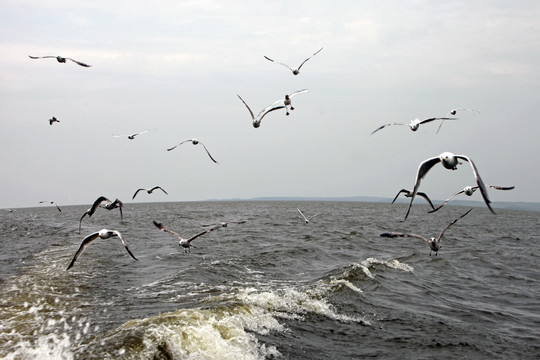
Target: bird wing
point(158, 187)
point(174, 147)
point(501, 187)
point(41, 57)
point(203, 232)
point(305, 218)
point(303, 62)
point(424, 195)
point(423, 169)
point(436, 118)
point(298, 92)
point(86, 241)
point(479, 181)
point(58, 207)
point(385, 125)
point(452, 223)
point(400, 191)
point(125, 244)
point(311, 217)
point(267, 110)
point(396, 234)
point(96, 204)
point(447, 200)
point(79, 63)
point(162, 227)
point(250, 112)
point(287, 66)
point(136, 192)
point(214, 160)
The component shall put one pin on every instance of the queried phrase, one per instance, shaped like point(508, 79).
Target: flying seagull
point(257, 120)
point(434, 243)
point(454, 112)
point(194, 142)
point(101, 234)
point(60, 59)
point(185, 243)
point(409, 194)
point(287, 100)
point(132, 136)
point(469, 190)
point(449, 161)
point(413, 124)
point(52, 203)
point(223, 223)
point(53, 120)
point(149, 191)
point(307, 220)
point(294, 71)
point(109, 205)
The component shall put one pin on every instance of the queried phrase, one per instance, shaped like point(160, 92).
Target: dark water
point(272, 288)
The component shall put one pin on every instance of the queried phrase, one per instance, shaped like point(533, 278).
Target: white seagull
point(409, 194)
point(469, 190)
point(53, 120)
point(454, 112)
point(307, 220)
point(434, 243)
point(257, 120)
point(287, 100)
point(449, 161)
point(149, 191)
point(101, 234)
point(132, 136)
point(109, 206)
point(185, 243)
point(294, 71)
point(223, 223)
point(52, 203)
point(413, 124)
point(194, 142)
point(60, 59)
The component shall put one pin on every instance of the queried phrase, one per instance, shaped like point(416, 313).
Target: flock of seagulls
point(446, 159)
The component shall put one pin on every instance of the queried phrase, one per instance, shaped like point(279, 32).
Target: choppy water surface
point(271, 288)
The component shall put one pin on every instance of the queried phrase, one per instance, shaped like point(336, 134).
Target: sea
point(273, 287)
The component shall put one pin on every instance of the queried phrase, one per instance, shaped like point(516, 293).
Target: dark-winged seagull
point(60, 59)
point(132, 136)
point(297, 70)
point(110, 205)
point(449, 161)
point(434, 243)
point(287, 100)
point(194, 142)
point(469, 190)
point(53, 120)
point(454, 112)
point(257, 120)
point(52, 203)
point(413, 124)
point(149, 191)
point(306, 219)
point(185, 243)
point(409, 194)
point(101, 234)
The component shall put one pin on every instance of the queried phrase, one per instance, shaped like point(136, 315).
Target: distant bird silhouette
point(306, 219)
point(60, 59)
point(110, 205)
point(413, 124)
point(453, 112)
point(287, 100)
point(52, 203)
point(449, 161)
point(224, 224)
point(132, 136)
point(409, 194)
point(194, 142)
point(434, 243)
point(469, 190)
point(149, 191)
point(295, 71)
point(185, 243)
point(257, 120)
point(102, 234)
point(53, 120)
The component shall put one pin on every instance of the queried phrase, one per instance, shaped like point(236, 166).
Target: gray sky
point(174, 68)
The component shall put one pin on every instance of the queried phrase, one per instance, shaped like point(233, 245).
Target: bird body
point(53, 120)
point(286, 101)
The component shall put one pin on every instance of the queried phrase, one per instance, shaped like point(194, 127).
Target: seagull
point(294, 71)
point(257, 120)
point(469, 190)
point(101, 234)
point(185, 243)
point(149, 191)
point(131, 137)
point(433, 242)
point(223, 224)
point(194, 142)
point(53, 120)
point(409, 194)
point(60, 59)
point(307, 220)
point(287, 100)
point(413, 124)
point(52, 203)
point(454, 112)
point(109, 206)
point(449, 161)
